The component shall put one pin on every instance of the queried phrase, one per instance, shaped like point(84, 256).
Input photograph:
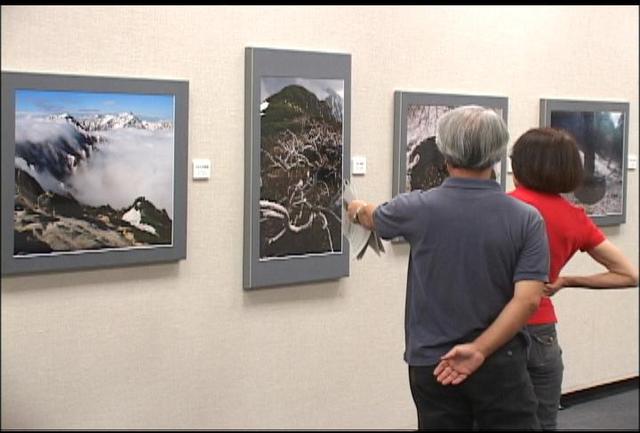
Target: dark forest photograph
point(600, 138)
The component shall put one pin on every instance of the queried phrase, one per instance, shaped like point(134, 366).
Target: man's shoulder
point(521, 208)
point(520, 204)
point(415, 196)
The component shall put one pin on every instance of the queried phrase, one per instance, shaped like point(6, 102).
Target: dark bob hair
point(547, 160)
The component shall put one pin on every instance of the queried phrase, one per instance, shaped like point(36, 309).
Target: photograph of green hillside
point(301, 157)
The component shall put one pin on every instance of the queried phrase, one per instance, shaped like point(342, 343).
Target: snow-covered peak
point(133, 217)
point(334, 101)
point(111, 121)
point(101, 122)
point(67, 118)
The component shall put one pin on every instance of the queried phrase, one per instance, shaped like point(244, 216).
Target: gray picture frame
point(402, 100)
point(549, 106)
point(13, 81)
point(269, 62)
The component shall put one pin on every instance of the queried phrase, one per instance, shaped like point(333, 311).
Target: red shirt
point(569, 229)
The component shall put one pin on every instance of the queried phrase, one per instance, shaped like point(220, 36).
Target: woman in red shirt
point(545, 163)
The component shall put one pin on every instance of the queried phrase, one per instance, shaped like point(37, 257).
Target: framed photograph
point(601, 130)
point(297, 129)
point(417, 162)
point(94, 171)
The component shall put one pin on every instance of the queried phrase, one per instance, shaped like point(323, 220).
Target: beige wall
point(182, 345)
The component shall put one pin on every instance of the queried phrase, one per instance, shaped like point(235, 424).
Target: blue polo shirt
point(470, 242)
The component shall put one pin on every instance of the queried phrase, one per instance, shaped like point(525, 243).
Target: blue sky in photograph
point(84, 104)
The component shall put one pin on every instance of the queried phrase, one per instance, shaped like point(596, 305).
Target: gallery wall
point(181, 345)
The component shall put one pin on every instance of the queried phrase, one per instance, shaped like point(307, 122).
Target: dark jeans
point(545, 368)
point(497, 396)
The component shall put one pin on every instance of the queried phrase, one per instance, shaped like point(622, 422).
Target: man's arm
point(361, 212)
point(462, 360)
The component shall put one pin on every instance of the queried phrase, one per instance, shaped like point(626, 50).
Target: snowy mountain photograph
point(301, 133)
point(93, 171)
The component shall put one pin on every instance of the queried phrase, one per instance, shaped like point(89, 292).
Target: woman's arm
point(621, 273)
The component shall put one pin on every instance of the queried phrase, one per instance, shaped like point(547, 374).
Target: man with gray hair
point(477, 267)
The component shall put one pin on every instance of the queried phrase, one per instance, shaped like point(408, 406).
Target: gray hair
point(472, 137)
